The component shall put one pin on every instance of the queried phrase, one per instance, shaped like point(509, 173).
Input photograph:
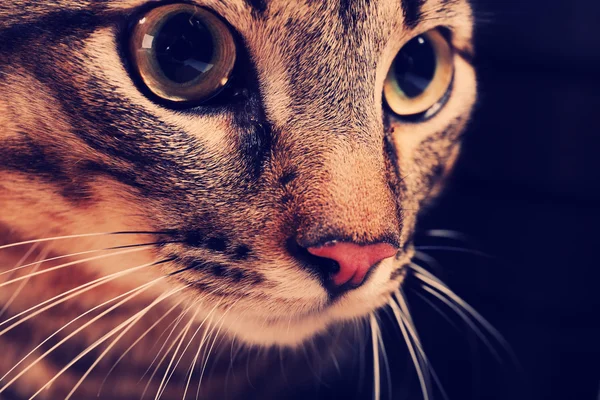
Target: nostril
point(354, 260)
point(324, 267)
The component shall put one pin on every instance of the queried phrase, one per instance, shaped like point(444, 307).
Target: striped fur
point(305, 151)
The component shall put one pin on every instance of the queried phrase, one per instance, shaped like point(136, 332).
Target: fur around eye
point(182, 53)
point(420, 76)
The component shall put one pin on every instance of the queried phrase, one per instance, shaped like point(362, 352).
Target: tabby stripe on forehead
point(258, 6)
point(412, 12)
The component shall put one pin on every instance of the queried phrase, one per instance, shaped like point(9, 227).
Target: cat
point(187, 187)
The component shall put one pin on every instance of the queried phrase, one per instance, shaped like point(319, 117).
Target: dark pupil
point(184, 48)
point(415, 66)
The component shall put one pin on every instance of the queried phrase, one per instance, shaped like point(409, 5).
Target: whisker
point(205, 338)
point(81, 253)
point(216, 336)
point(410, 326)
point(84, 235)
point(195, 359)
point(405, 311)
point(430, 261)
point(164, 380)
point(69, 295)
point(448, 234)
point(315, 373)
point(436, 309)
point(411, 349)
point(64, 327)
point(175, 339)
point(433, 282)
point(359, 328)
point(158, 321)
point(173, 324)
point(466, 319)
point(376, 372)
point(333, 359)
point(45, 271)
point(36, 266)
point(136, 318)
point(385, 363)
point(232, 355)
point(27, 254)
point(455, 249)
point(139, 290)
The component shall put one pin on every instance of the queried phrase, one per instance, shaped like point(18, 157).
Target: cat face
point(266, 201)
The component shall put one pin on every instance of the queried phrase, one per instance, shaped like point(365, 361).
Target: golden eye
point(420, 76)
point(182, 53)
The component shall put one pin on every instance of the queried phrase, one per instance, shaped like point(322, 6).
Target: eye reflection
point(420, 75)
point(183, 53)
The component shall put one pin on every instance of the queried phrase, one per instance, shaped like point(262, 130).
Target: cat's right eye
point(420, 77)
point(182, 53)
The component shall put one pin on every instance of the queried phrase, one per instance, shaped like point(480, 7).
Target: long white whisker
point(222, 320)
point(97, 342)
point(455, 249)
point(66, 325)
point(465, 318)
point(448, 234)
point(232, 355)
point(435, 283)
point(45, 271)
point(410, 325)
point(139, 315)
point(466, 306)
point(359, 328)
point(158, 321)
point(163, 383)
point(199, 349)
point(190, 342)
point(173, 343)
point(27, 254)
point(385, 363)
point(66, 296)
point(140, 290)
point(36, 266)
point(436, 309)
point(430, 260)
point(205, 338)
point(172, 325)
point(411, 349)
point(417, 340)
point(83, 235)
point(376, 372)
point(81, 253)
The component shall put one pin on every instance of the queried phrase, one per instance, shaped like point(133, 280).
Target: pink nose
point(354, 260)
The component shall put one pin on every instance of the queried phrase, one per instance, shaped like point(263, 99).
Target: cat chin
point(294, 332)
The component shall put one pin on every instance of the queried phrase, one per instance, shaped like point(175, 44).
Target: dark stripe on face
point(412, 12)
point(256, 147)
point(258, 6)
point(55, 25)
point(26, 156)
point(232, 274)
point(352, 11)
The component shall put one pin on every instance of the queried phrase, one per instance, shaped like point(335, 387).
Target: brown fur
point(308, 153)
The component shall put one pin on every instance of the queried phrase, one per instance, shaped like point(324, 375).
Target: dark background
point(527, 190)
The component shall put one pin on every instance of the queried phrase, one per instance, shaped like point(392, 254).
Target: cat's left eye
point(182, 53)
point(420, 76)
